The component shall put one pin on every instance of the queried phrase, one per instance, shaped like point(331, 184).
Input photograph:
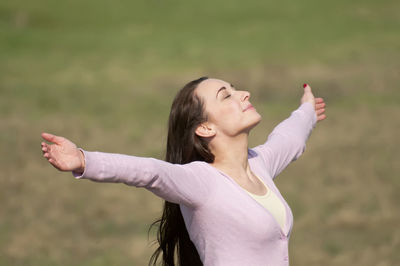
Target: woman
point(221, 204)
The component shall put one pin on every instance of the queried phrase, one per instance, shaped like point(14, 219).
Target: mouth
point(249, 107)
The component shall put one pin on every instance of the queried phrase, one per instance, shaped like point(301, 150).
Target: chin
point(257, 119)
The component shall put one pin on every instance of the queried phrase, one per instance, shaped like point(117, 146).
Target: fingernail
point(304, 85)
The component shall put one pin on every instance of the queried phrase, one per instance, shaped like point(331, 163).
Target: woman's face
point(228, 110)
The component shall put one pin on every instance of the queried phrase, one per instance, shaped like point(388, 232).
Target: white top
point(272, 203)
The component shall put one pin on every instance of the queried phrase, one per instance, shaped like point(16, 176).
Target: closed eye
point(227, 96)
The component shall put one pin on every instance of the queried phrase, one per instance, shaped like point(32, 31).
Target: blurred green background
point(104, 73)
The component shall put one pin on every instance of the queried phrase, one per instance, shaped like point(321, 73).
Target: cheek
point(232, 107)
point(228, 119)
point(227, 113)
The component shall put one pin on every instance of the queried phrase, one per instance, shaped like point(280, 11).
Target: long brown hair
point(183, 146)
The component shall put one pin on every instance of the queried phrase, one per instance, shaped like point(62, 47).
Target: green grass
point(104, 75)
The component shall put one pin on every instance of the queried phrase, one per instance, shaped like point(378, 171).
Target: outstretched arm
point(288, 140)
point(182, 184)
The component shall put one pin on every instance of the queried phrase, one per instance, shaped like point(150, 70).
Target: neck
point(231, 153)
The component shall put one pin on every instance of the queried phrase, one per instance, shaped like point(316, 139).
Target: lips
point(248, 107)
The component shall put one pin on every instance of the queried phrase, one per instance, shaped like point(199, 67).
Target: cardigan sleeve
point(181, 184)
point(288, 139)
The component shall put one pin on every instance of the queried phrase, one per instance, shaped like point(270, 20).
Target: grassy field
point(104, 75)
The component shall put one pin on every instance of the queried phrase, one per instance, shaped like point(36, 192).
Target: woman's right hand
point(63, 154)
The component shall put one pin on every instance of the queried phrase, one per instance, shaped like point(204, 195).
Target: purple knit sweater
point(227, 226)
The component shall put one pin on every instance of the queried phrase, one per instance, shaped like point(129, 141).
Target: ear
point(205, 130)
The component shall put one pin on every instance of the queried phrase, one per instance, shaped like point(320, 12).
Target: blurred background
point(104, 73)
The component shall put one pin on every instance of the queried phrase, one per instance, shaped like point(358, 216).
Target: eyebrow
point(221, 89)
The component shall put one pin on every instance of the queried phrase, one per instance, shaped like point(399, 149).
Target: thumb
point(308, 95)
point(307, 88)
point(52, 138)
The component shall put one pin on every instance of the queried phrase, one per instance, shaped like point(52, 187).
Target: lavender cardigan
point(227, 226)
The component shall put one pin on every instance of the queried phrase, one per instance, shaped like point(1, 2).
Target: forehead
point(210, 87)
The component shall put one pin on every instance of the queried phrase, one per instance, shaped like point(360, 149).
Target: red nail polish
point(304, 85)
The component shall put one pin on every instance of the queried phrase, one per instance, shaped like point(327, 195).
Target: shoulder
point(255, 154)
point(198, 168)
point(196, 165)
point(258, 161)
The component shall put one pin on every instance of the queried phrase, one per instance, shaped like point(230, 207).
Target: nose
point(245, 96)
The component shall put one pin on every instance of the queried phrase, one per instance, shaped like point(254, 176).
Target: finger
point(321, 117)
point(319, 105)
point(319, 100)
point(320, 111)
point(45, 147)
point(52, 138)
point(53, 162)
point(44, 144)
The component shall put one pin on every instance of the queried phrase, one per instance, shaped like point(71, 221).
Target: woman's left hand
point(318, 103)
